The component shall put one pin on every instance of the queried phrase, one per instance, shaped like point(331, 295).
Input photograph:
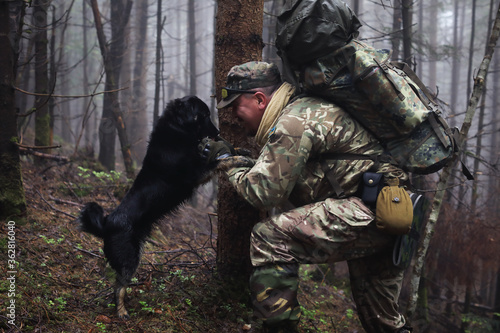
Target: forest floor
point(63, 283)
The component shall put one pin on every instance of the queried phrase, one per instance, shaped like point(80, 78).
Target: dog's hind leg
point(124, 257)
point(120, 293)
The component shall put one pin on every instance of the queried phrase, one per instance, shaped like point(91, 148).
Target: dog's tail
point(92, 219)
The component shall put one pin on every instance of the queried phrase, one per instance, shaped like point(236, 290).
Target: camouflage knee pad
point(274, 294)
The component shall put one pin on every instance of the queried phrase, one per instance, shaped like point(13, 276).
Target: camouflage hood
point(308, 29)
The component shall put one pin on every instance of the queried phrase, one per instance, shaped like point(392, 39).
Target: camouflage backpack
point(386, 97)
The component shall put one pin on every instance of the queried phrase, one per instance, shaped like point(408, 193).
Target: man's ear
point(262, 99)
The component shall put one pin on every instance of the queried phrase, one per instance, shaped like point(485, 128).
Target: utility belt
point(390, 201)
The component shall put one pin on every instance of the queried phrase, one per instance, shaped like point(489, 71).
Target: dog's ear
point(201, 117)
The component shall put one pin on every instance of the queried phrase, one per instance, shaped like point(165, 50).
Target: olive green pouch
point(394, 212)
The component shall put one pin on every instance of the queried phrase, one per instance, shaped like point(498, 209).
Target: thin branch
point(43, 155)
point(69, 96)
point(54, 208)
point(37, 147)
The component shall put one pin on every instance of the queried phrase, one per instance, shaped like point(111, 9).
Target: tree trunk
point(52, 75)
point(418, 56)
point(233, 47)
point(396, 30)
point(42, 116)
point(12, 201)
point(192, 47)
point(356, 6)
point(455, 67)
point(496, 307)
point(407, 16)
point(462, 189)
point(475, 186)
point(158, 59)
point(112, 117)
point(86, 123)
point(433, 33)
point(446, 173)
point(494, 185)
point(138, 114)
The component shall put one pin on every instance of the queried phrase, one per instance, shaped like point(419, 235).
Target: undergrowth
point(64, 285)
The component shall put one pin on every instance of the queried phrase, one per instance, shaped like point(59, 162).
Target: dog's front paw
point(235, 162)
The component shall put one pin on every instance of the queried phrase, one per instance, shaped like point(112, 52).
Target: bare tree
point(112, 116)
point(159, 27)
point(138, 115)
point(12, 201)
point(43, 131)
point(192, 47)
point(407, 17)
point(396, 30)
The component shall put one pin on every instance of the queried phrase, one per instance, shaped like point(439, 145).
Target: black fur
point(171, 171)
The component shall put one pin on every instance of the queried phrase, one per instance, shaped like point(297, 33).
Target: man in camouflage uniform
point(330, 224)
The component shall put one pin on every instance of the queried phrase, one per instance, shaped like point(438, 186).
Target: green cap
point(250, 75)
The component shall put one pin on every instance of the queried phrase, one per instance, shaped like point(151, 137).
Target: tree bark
point(407, 16)
point(42, 116)
point(233, 47)
point(433, 41)
point(112, 117)
point(12, 200)
point(445, 175)
point(158, 59)
point(192, 47)
point(396, 30)
point(138, 116)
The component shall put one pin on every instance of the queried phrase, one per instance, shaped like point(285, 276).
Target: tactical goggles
point(226, 92)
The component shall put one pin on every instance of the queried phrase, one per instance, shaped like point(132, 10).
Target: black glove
point(212, 150)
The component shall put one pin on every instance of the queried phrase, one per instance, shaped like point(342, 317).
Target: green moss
point(12, 200)
point(42, 129)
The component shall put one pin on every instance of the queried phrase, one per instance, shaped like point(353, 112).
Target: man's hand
point(212, 150)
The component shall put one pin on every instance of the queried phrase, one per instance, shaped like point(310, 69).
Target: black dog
point(171, 171)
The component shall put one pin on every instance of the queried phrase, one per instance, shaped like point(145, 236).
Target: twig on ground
point(67, 202)
point(88, 252)
point(52, 207)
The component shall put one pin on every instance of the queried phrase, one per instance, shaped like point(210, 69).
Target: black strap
point(385, 67)
point(433, 120)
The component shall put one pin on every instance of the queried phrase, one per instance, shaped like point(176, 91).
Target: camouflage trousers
point(329, 231)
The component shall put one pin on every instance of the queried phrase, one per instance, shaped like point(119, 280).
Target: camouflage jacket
point(289, 166)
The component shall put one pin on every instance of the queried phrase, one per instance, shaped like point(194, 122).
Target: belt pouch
point(372, 184)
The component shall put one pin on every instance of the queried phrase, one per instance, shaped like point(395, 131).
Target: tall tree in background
point(356, 6)
point(233, 47)
point(158, 58)
point(396, 30)
point(12, 201)
point(192, 47)
point(407, 17)
point(112, 117)
point(43, 131)
point(455, 69)
point(139, 86)
point(433, 43)
point(137, 117)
